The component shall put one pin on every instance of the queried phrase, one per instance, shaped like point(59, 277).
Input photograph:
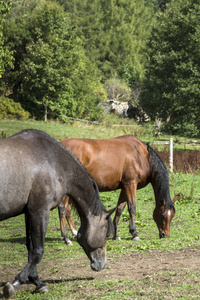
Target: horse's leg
point(62, 209)
point(36, 225)
point(131, 201)
point(120, 207)
point(33, 276)
point(68, 215)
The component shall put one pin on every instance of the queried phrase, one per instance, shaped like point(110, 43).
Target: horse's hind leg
point(36, 225)
point(64, 210)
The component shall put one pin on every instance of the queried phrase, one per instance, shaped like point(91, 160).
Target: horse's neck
point(83, 200)
point(82, 189)
point(161, 188)
point(83, 194)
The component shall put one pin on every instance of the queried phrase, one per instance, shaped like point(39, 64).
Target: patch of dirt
point(138, 265)
point(120, 267)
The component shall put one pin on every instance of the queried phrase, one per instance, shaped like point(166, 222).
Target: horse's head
point(92, 237)
point(163, 216)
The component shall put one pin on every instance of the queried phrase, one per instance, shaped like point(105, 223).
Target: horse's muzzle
point(163, 235)
point(98, 265)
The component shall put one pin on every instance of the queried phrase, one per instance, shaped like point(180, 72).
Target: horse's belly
point(107, 182)
point(13, 196)
point(10, 209)
point(13, 199)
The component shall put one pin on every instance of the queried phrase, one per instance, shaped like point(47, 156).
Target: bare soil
point(137, 266)
point(134, 266)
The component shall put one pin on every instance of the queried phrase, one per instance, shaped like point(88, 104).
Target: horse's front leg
point(131, 201)
point(68, 215)
point(30, 242)
point(36, 225)
point(61, 212)
point(120, 207)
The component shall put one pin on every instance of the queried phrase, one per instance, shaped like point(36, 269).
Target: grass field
point(149, 269)
point(87, 130)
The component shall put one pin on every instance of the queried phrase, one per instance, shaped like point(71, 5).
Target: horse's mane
point(97, 206)
point(159, 175)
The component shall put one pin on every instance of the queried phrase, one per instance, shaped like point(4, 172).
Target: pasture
point(152, 268)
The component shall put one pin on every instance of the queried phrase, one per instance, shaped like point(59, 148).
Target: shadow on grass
point(50, 281)
point(18, 240)
point(22, 240)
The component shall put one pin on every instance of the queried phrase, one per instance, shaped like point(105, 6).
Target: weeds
point(184, 161)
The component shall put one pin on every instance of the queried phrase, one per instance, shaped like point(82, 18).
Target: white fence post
point(171, 155)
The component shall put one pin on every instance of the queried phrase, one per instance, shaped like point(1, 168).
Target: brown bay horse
point(36, 174)
point(123, 163)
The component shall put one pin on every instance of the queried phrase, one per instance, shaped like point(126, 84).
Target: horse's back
point(25, 172)
point(110, 161)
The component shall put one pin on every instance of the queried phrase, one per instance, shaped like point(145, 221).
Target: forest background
point(62, 58)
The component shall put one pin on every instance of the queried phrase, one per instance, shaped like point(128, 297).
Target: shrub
point(12, 110)
point(185, 161)
point(117, 89)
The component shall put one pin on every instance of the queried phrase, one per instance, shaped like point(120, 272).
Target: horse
point(124, 163)
point(36, 174)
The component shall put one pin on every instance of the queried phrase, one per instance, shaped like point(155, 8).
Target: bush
point(117, 89)
point(184, 161)
point(12, 110)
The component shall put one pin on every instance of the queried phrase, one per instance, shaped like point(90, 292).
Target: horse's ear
point(110, 212)
point(176, 198)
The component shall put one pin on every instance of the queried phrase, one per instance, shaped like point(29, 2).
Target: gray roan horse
point(123, 163)
point(36, 174)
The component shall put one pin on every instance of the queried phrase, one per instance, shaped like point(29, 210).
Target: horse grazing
point(123, 163)
point(36, 174)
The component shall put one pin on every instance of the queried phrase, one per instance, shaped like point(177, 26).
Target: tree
point(5, 55)
point(114, 34)
point(172, 83)
point(52, 74)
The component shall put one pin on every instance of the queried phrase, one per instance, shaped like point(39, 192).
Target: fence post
point(171, 155)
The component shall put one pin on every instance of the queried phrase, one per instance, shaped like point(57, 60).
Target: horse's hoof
point(68, 242)
point(74, 233)
point(136, 238)
point(8, 290)
point(43, 289)
point(117, 238)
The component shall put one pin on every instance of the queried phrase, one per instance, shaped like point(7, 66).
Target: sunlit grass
point(185, 234)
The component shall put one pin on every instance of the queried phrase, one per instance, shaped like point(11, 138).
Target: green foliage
point(114, 34)
point(172, 84)
point(12, 110)
point(5, 54)
point(52, 75)
point(117, 89)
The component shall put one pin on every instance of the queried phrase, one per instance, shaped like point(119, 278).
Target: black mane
point(159, 177)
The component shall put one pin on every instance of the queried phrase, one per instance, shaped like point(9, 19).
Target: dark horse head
point(93, 240)
point(164, 210)
point(95, 228)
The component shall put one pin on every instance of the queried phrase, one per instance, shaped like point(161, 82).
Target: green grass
point(164, 284)
point(184, 234)
point(84, 130)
